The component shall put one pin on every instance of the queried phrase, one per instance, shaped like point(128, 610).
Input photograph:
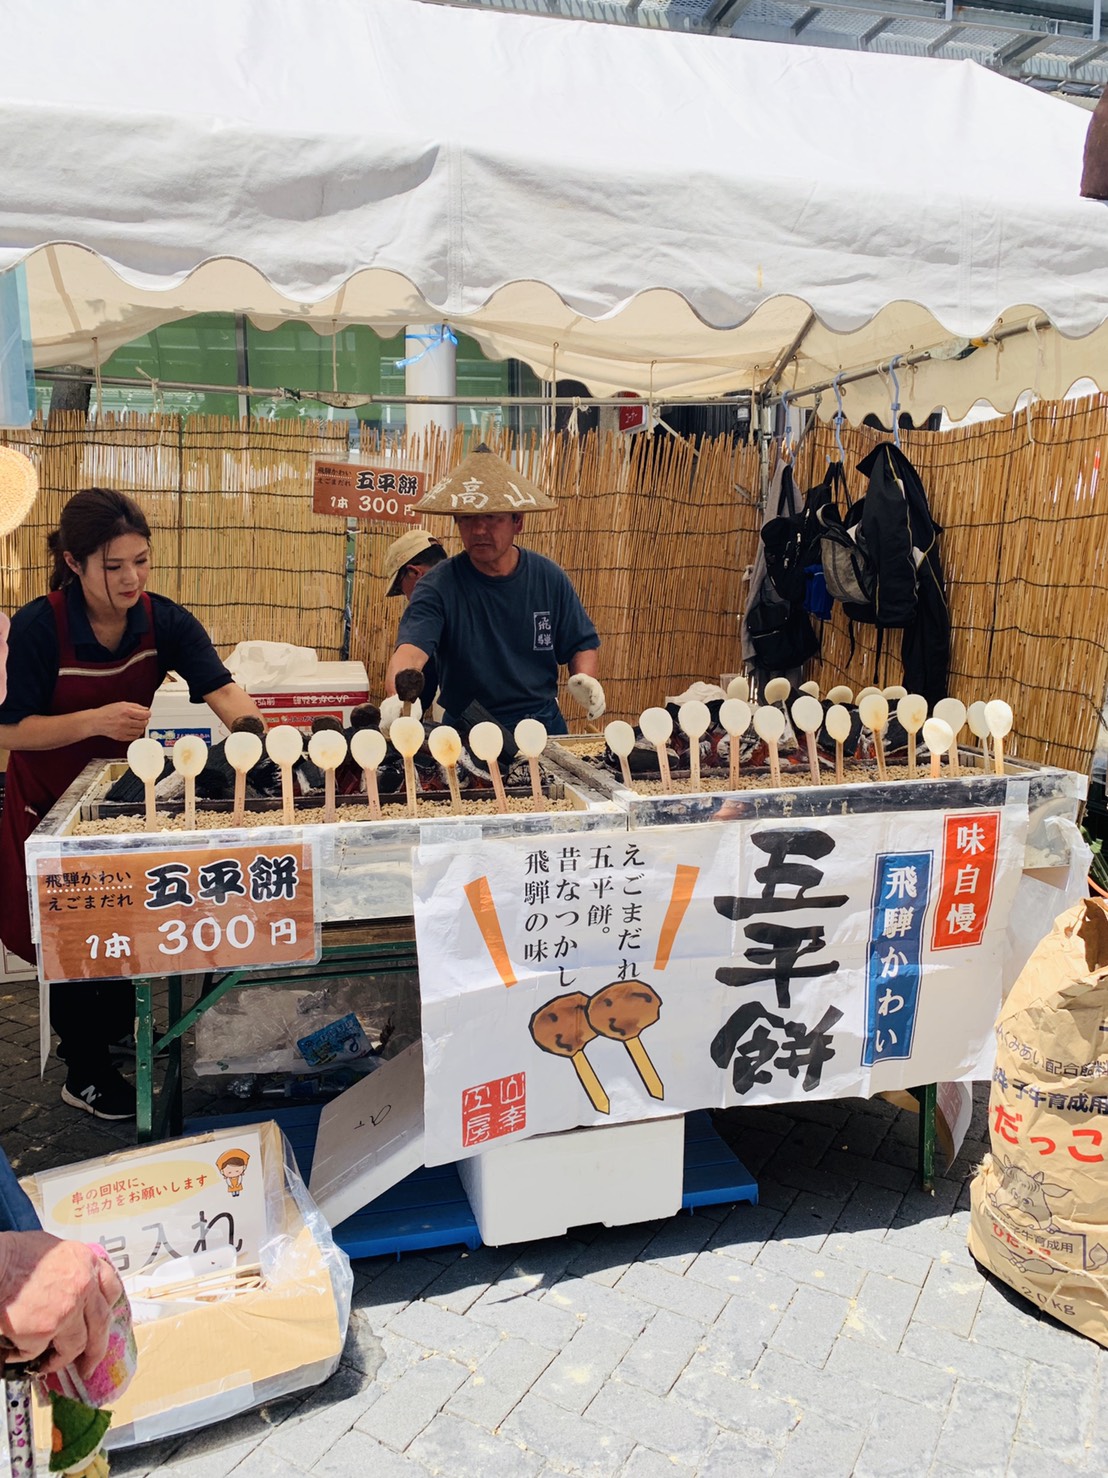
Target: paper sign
point(165, 1204)
point(594, 980)
point(370, 1137)
point(358, 490)
point(180, 910)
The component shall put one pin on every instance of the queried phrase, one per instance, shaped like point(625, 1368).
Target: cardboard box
point(203, 1361)
point(540, 1187)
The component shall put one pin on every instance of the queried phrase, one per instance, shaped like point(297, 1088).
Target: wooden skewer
point(911, 710)
point(146, 758)
point(807, 714)
point(243, 751)
point(368, 748)
point(873, 710)
point(938, 736)
point(735, 715)
point(657, 726)
point(694, 718)
point(998, 716)
point(285, 745)
point(327, 749)
point(838, 724)
point(486, 741)
point(953, 712)
point(406, 736)
point(530, 737)
point(445, 745)
point(620, 737)
point(769, 725)
point(190, 755)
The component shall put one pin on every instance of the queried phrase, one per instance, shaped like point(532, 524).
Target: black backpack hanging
point(779, 629)
point(784, 540)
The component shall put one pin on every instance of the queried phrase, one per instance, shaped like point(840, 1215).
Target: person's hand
point(55, 1296)
point(390, 710)
point(588, 693)
point(123, 721)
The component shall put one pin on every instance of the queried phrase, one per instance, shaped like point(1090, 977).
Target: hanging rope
point(96, 375)
point(840, 417)
point(895, 398)
point(439, 335)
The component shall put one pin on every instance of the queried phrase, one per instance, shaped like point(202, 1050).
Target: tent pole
point(325, 397)
point(907, 361)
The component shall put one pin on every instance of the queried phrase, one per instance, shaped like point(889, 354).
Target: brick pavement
point(838, 1328)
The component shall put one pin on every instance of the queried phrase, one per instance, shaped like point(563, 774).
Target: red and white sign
point(966, 883)
point(359, 490)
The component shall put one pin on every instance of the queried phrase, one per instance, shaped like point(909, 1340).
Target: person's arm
point(406, 656)
point(121, 721)
point(231, 702)
point(55, 1296)
point(586, 661)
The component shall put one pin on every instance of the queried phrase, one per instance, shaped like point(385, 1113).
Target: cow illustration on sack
point(1022, 1192)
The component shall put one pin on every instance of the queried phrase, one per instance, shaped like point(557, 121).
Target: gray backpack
point(848, 570)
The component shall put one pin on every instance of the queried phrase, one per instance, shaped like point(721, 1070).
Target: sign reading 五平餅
point(175, 911)
point(579, 981)
point(358, 490)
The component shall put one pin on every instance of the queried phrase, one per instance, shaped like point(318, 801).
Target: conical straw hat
point(18, 486)
point(484, 483)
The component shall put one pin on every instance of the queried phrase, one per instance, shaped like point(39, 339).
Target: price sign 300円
point(189, 909)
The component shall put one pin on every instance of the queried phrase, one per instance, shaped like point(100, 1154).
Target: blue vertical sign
point(17, 368)
point(901, 893)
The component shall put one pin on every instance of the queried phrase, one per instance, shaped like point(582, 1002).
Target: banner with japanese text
point(569, 981)
point(175, 911)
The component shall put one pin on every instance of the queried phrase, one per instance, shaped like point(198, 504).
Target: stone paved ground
point(838, 1328)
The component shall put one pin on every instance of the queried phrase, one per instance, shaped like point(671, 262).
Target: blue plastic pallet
point(429, 1208)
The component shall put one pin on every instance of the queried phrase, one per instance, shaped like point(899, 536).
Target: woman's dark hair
point(92, 518)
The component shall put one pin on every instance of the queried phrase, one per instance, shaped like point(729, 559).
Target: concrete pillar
point(433, 374)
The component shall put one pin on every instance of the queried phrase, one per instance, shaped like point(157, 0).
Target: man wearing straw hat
point(499, 620)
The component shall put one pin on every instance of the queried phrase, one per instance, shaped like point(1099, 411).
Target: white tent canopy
point(639, 210)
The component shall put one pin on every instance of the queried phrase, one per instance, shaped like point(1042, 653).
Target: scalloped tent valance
point(640, 210)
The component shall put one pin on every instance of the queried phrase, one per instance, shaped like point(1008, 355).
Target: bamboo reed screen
point(1024, 549)
point(655, 534)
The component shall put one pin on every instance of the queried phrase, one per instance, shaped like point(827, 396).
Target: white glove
point(390, 710)
point(588, 692)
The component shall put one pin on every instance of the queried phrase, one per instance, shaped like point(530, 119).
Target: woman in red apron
point(84, 663)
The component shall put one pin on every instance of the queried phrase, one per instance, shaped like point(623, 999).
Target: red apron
point(37, 778)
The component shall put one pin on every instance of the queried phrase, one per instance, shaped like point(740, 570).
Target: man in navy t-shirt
point(498, 620)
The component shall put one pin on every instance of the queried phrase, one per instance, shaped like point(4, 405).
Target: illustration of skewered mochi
point(623, 1011)
point(562, 1028)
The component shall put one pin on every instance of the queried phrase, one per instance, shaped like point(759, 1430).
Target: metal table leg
point(928, 1106)
point(144, 1060)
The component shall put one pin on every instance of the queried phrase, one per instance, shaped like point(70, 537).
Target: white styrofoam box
point(13, 968)
point(540, 1187)
point(172, 716)
point(333, 688)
